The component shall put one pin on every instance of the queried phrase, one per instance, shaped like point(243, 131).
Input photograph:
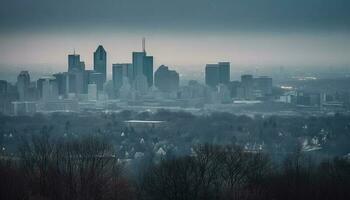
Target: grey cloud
point(174, 14)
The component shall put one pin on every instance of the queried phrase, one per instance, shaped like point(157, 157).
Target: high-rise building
point(61, 79)
point(148, 69)
point(119, 72)
point(8, 94)
point(23, 85)
point(100, 62)
point(308, 98)
point(71, 83)
point(74, 62)
point(3, 96)
point(212, 75)
point(39, 86)
point(137, 61)
point(264, 84)
point(224, 72)
point(217, 73)
point(3, 87)
point(130, 72)
point(166, 80)
point(143, 65)
point(75, 77)
point(247, 83)
point(87, 75)
point(76, 81)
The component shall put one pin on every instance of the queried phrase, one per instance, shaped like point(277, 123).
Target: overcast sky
point(180, 33)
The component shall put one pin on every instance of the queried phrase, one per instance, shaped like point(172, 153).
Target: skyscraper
point(76, 81)
point(74, 62)
point(224, 72)
point(264, 84)
point(3, 87)
point(39, 86)
point(23, 84)
point(143, 65)
point(137, 62)
point(100, 62)
point(247, 83)
point(61, 79)
point(148, 69)
point(166, 80)
point(212, 75)
point(76, 70)
point(217, 73)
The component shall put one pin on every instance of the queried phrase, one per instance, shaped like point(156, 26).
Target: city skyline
point(262, 48)
point(87, 56)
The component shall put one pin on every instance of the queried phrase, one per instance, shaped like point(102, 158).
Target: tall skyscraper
point(23, 84)
point(143, 65)
point(137, 62)
point(100, 62)
point(217, 73)
point(75, 77)
point(166, 80)
point(74, 62)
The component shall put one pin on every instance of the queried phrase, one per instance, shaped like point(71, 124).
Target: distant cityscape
point(137, 86)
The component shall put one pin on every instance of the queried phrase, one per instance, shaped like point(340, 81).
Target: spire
point(144, 44)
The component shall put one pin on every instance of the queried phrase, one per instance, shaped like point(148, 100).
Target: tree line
point(86, 168)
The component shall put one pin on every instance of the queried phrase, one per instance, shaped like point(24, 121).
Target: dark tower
point(100, 62)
